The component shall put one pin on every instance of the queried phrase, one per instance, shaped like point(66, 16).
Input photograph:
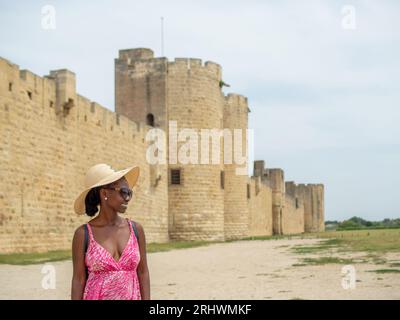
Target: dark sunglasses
point(124, 192)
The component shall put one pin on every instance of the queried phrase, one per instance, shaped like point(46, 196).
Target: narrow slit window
point(150, 119)
point(248, 191)
point(29, 95)
point(222, 178)
point(175, 176)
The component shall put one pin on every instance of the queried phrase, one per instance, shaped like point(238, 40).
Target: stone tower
point(183, 94)
point(313, 197)
point(235, 186)
point(277, 182)
point(140, 87)
point(195, 101)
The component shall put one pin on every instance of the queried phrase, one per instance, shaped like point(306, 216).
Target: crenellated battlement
point(187, 62)
point(196, 65)
point(236, 98)
point(290, 187)
point(277, 178)
point(58, 91)
point(7, 63)
point(109, 121)
point(136, 54)
point(24, 85)
point(238, 102)
point(310, 185)
point(29, 77)
point(144, 57)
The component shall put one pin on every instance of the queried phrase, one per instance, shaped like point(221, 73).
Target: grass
point(34, 258)
point(323, 245)
point(369, 240)
point(376, 259)
point(385, 271)
point(274, 237)
point(173, 245)
point(367, 228)
point(51, 256)
point(327, 260)
point(372, 241)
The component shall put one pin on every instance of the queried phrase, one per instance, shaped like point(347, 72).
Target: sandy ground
point(237, 270)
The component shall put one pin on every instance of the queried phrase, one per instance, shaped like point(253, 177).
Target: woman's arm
point(78, 262)
point(142, 269)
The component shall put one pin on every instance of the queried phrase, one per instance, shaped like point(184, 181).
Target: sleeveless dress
point(110, 279)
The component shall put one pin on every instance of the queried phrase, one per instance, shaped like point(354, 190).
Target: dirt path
point(236, 270)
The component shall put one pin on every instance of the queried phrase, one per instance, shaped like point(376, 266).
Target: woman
point(114, 264)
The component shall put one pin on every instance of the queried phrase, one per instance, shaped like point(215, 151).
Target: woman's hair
point(92, 201)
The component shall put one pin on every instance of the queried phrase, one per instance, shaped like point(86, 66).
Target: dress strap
point(86, 239)
point(130, 225)
point(90, 231)
point(133, 229)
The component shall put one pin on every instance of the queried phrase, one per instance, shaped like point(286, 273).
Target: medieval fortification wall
point(50, 135)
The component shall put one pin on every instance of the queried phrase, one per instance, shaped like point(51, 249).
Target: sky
point(321, 76)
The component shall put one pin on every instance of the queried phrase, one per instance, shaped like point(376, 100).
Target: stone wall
point(292, 216)
point(260, 207)
point(293, 213)
point(49, 137)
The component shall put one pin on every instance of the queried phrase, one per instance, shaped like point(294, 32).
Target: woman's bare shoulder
point(80, 232)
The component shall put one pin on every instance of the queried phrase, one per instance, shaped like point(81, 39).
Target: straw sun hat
point(100, 175)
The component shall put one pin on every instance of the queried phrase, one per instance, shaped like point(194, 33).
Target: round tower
point(196, 196)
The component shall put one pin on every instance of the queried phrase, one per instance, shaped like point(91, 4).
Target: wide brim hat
point(100, 175)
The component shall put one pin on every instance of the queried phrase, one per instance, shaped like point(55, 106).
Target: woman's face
point(119, 197)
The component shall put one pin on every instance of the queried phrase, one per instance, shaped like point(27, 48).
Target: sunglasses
point(124, 192)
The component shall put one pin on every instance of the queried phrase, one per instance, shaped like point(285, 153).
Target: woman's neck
point(110, 218)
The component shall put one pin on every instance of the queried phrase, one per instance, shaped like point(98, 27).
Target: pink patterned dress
point(110, 279)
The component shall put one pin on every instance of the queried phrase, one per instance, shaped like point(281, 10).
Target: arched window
point(150, 119)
